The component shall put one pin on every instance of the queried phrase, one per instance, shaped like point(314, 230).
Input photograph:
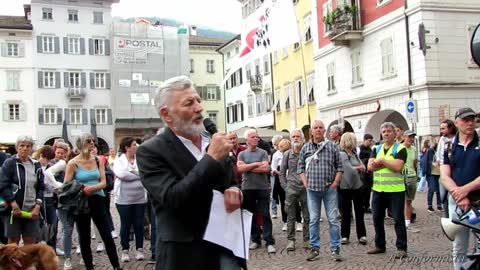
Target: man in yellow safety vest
point(386, 162)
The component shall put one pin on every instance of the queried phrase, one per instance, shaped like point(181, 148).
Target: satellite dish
point(475, 45)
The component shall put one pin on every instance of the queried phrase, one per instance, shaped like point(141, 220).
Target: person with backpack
point(130, 198)
point(460, 176)
point(387, 162)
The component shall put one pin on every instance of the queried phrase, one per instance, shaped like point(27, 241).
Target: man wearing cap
point(461, 175)
point(410, 172)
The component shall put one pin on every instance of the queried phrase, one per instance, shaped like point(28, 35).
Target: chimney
point(193, 30)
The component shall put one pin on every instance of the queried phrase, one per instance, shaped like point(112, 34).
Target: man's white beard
point(188, 127)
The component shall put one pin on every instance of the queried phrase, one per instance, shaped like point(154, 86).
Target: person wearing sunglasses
point(89, 171)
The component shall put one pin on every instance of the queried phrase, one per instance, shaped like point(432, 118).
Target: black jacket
point(71, 199)
point(13, 181)
point(180, 188)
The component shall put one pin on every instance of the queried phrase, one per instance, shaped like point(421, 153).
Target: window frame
point(94, 17)
point(72, 15)
point(331, 88)
point(73, 43)
point(13, 49)
point(310, 85)
point(13, 80)
point(47, 14)
point(388, 58)
point(49, 116)
point(250, 106)
point(72, 116)
point(211, 93)
point(14, 111)
point(213, 115)
point(48, 44)
point(100, 80)
point(327, 7)
point(99, 113)
point(74, 80)
point(49, 79)
point(98, 48)
point(210, 66)
point(356, 67)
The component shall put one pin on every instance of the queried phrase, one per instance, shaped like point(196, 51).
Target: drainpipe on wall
point(409, 62)
point(224, 93)
point(273, 93)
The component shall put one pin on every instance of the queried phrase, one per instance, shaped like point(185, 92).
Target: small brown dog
point(13, 257)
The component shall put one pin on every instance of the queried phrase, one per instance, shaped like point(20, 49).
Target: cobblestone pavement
point(428, 249)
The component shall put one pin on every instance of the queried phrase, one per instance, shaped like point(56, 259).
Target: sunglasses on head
point(90, 140)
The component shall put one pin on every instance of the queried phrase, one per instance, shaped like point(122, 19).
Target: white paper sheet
point(225, 229)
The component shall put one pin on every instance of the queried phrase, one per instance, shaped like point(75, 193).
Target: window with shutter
point(13, 80)
point(101, 116)
point(13, 112)
point(98, 46)
point(13, 49)
point(50, 116)
point(75, 116)
point(48, 79)
point(48, 44)
point(388, 66)
point(73, 45)
point(100, 80)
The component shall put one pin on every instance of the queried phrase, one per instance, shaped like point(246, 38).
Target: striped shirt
point(323, 168)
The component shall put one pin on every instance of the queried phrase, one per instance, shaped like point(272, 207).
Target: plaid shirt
point(321, 172)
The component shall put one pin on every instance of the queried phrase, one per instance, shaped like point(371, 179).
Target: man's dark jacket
point(180, 186)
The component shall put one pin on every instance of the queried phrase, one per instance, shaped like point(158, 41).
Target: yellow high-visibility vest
point(386, 180)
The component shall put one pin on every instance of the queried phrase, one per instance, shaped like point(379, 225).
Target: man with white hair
point(294, 189)
point(253, 163)
point(180, 174)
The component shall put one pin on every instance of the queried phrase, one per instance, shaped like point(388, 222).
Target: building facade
point(144, 55)
point(16, 80)
point(294, 77)
point(71, 63)
point(206, 71)
point(372, 58)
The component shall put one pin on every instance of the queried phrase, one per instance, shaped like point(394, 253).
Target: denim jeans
point(274, 202)
point(314, 201)
point(256, 201)
point(131, 215)
point(461, 242)
point(433, 188)
point(98, 213)
point(51, 219)
point(67, 221)
point(396, 202)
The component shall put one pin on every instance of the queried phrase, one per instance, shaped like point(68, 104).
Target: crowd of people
point(169, 179)
point(74, 186)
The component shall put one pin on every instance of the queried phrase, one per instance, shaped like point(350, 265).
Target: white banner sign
point(129, 50)
point(139, 98)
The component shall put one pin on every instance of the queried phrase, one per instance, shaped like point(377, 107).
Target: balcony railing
point(343, 25)
point(76, 93)
point(256, 82)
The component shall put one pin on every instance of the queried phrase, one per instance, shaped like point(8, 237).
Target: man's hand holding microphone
point(219, 148)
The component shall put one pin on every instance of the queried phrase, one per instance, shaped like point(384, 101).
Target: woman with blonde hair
point(87, 170)
point(54, 176)
point(349, 189)
point(281, 146)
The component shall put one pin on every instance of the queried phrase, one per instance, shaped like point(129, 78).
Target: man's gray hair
point(299, 131)
point(24, 139)
point(163, 93)
point(337, 128)
point(276, 139)
point(388, 125)
point(245, 135)
point(316, 121)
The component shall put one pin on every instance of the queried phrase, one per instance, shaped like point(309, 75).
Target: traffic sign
point(411, 108)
